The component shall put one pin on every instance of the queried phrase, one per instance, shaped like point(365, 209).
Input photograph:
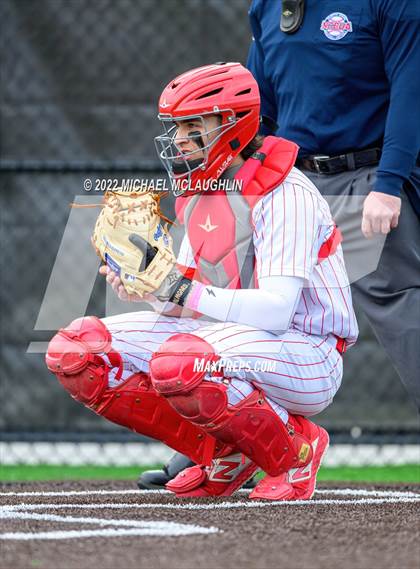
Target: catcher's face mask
point(187, 144)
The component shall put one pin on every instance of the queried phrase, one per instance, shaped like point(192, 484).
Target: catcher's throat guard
point(252, 426)
point(76, 355)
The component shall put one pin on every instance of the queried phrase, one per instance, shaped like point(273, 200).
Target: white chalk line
point(126, 527)
point(9, 514)
point(79, 534)
point(147, 527)
point(143, 528)
point(332, 491)
point(204, 506)
point(135, 527)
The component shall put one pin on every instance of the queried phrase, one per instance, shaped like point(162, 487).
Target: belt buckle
point(320, 159)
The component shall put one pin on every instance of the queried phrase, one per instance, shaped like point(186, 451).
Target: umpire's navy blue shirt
point(348, 79)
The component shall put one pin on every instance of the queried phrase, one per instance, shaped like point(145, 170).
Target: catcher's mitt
point(130, 238)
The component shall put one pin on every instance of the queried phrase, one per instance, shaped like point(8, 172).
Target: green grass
point(46, 472)
point(380, 474)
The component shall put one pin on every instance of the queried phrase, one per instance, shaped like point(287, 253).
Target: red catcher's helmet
point(225, 89)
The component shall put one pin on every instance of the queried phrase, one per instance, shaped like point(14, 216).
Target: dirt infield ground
point(82, 525)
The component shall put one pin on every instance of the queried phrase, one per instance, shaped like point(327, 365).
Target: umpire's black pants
point(384, 272)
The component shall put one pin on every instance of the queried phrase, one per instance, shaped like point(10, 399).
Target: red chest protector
point(219, 224)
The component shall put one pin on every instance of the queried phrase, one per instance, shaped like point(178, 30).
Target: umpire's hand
point(380, 213)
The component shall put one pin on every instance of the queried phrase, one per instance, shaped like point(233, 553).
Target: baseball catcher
point(249, 325)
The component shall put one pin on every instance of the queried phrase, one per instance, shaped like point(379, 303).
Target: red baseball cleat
point(297, 483)
point(222, 478)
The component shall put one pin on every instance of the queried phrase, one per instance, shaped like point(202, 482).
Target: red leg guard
point(137, 406)
point(260, 434)
point(297, 483)
point(73, 356)
point(252, 426)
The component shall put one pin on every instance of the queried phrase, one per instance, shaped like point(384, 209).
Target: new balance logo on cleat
point(223, 478)
point(224, 470)
point(299, 474)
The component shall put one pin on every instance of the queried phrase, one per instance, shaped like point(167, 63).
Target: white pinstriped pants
point(297, 372)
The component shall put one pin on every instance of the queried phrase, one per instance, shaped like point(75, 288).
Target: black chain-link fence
point(81, 80)
point(79, 84)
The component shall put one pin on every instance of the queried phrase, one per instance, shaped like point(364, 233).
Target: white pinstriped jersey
point(290, 225)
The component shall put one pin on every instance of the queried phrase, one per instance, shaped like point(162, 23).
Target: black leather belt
point(342, 163)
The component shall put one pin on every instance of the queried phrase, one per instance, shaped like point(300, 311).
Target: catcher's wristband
point(180, 291)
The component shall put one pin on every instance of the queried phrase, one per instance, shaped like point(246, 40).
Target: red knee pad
point(180, 364)
point(72, 356)
point(177, 371)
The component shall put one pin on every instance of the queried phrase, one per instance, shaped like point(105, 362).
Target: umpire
point(341, 79)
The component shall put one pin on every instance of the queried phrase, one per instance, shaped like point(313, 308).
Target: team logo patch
point(208, 226)
point(336, 26)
